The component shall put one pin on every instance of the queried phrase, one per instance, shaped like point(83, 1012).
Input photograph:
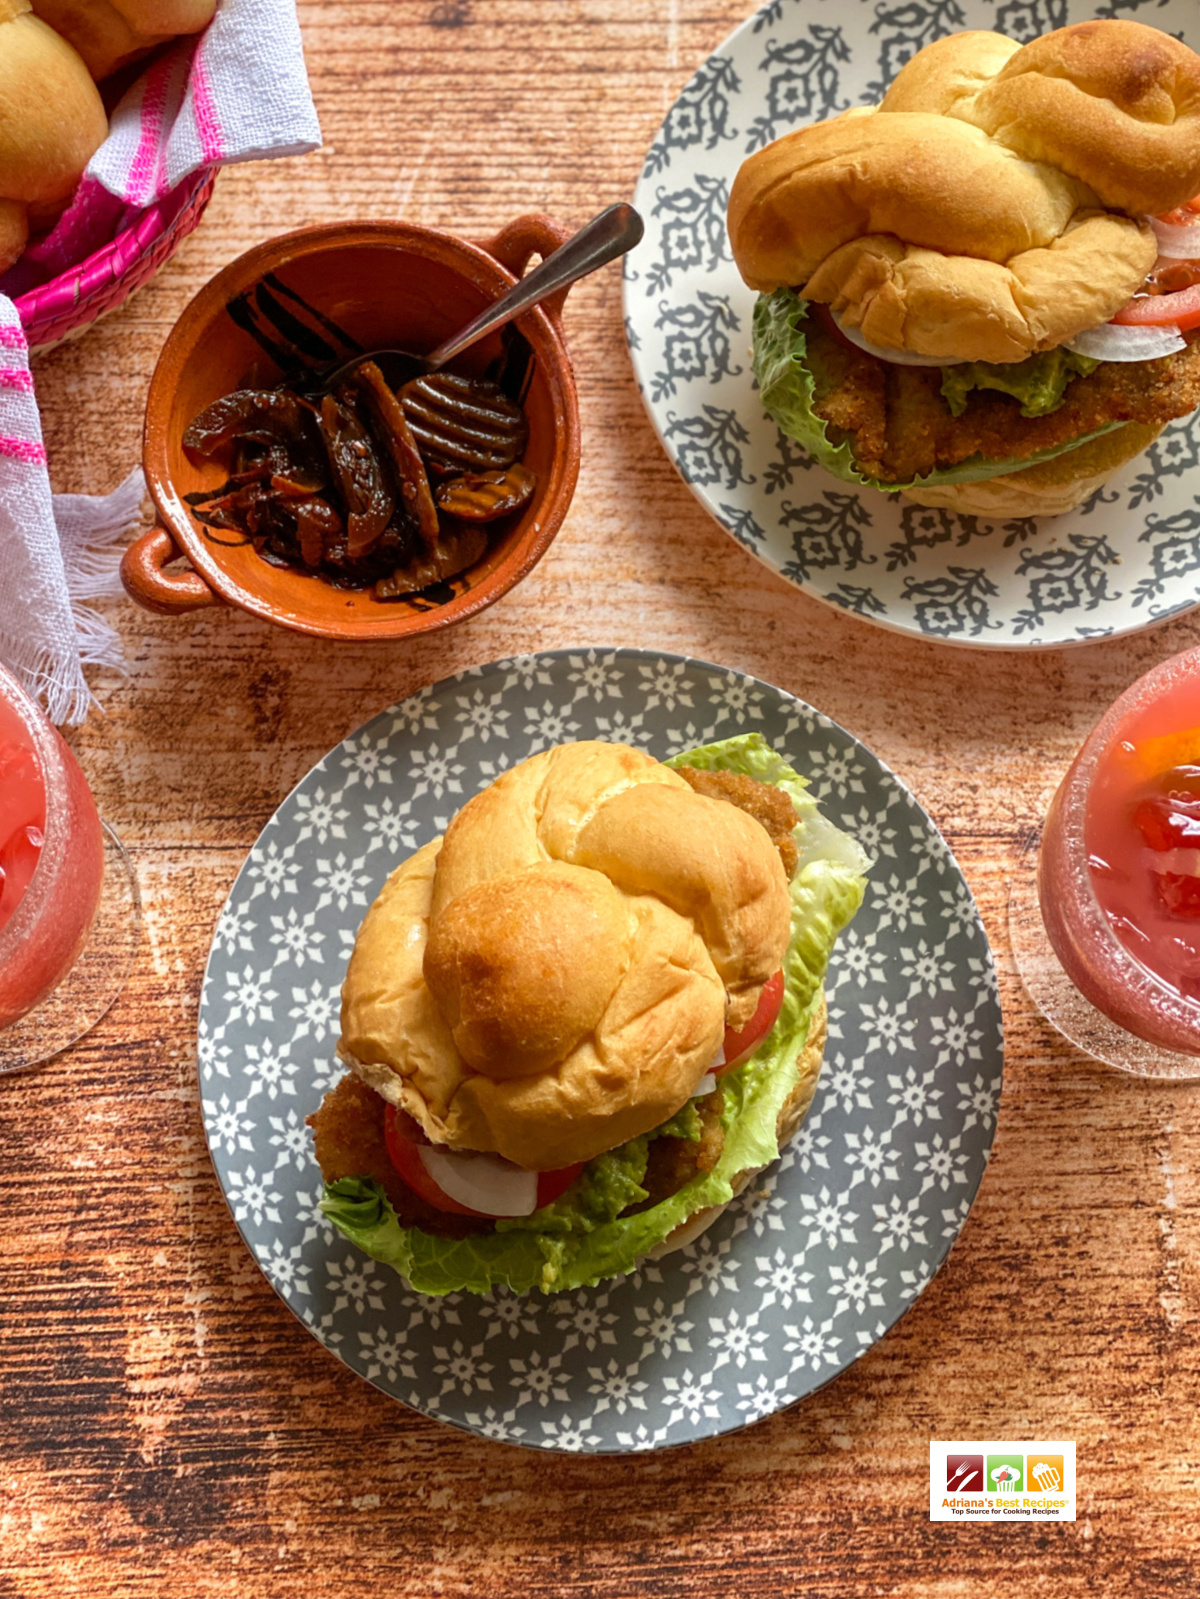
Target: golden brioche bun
point(992, 205)
point(924, 179)
point(554, 976)
point(110, 33)
point(52, 122)
point(791, 1113)
point(1114, 103)
point(968, 309)
point(1048, 489)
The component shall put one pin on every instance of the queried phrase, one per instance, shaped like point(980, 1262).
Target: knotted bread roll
point(110, 33)
point(555, 976)
point(51, 124)
point(993, 204)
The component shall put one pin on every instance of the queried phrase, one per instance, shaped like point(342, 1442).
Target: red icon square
point(964, 1474)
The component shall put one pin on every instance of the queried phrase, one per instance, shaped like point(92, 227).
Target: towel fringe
point(89, 527)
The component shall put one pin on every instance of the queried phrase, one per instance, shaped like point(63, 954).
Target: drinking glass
point(69, 911)
point(1104, 907)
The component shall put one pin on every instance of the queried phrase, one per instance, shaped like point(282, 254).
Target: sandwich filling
point(626, 1201)
point(871, 421)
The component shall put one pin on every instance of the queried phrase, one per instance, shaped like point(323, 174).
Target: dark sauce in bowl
point(365, 486)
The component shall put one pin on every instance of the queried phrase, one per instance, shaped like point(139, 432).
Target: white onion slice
point(1181, 242)
point(482, 1182)
point(1112, 342)
point(897, 357)
point(708, 1082)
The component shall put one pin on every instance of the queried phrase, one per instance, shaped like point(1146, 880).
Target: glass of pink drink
point(1118, 882)
point(53, 862)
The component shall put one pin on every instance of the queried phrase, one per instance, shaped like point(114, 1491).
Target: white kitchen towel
point(55, 550)
point(239, 92)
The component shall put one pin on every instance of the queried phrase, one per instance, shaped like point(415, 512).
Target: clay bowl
point(384, 283)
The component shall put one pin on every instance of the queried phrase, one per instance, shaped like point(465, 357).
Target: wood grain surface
point(167, 1428)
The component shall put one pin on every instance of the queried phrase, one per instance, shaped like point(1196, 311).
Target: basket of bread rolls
point(62, 64)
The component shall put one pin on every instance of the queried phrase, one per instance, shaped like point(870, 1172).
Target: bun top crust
point(555, 975)
point(109, 33)
point(1027, 169)
point(1113, 103)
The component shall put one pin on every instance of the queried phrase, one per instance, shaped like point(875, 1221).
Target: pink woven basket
point(72, 301)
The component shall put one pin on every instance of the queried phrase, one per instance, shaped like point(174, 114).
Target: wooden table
point(166, 1426)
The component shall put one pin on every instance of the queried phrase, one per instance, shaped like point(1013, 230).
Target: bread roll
point(992, 205)
point(555, 977)
point(1115, 104)
point(523, 966)
point(967, 309)
point(52, 122)
point(110, 33)
point(947, 76)
point(925, 179)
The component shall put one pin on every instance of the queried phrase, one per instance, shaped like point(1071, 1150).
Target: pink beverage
point(22, 810)
point(51, 853)
point(1119, 876)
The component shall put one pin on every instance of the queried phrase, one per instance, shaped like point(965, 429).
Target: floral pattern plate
point(804, 1271)
point(1127, 558)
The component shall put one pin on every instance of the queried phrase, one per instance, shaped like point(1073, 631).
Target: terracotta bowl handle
point(146, 581)
point(516, 244)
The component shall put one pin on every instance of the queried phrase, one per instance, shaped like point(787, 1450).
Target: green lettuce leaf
point(582, 1237)
point(829, 880)
point(787, 386)
point(1039, 381)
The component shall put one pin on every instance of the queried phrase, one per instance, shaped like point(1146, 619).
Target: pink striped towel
point(54, 549)
point(239, 92)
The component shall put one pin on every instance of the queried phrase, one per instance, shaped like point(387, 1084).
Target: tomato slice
point(741, 1043)
point(405, 1157)
point(1183, 216)
point(553, 1184)
point(404, 1153)
point(1180, 309)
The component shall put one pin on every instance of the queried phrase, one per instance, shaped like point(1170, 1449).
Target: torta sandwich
point(579, 1022)
point(985, 291)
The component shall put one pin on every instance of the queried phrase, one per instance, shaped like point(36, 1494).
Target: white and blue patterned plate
point(804, 1271)
point(1127, 558)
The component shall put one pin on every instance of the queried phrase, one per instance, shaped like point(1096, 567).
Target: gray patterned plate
point(1127, 558)
point(804, 1271)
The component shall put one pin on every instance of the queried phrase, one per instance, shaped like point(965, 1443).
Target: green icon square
point(1004, 1475)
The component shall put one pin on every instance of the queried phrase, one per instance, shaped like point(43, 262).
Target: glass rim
point(48, 751)
point(1083, 913)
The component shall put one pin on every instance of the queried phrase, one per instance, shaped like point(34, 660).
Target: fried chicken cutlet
point(900, 427)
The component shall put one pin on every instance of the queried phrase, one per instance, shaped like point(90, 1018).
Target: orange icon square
point(1045, 1474)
